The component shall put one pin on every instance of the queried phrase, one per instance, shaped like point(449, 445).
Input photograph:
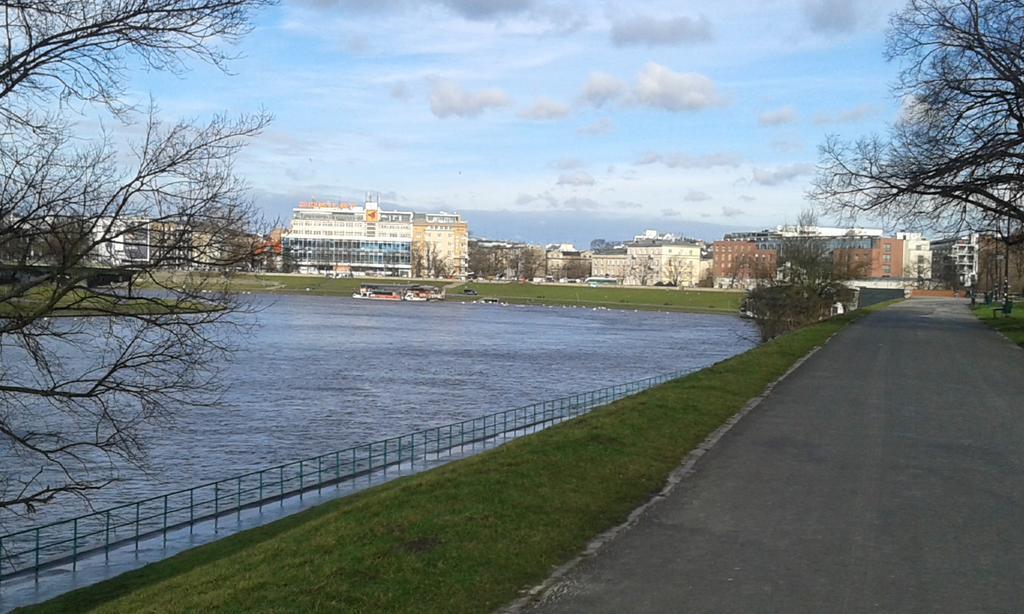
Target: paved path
point(884, 475)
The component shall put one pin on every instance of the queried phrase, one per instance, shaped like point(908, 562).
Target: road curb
point(683, 471)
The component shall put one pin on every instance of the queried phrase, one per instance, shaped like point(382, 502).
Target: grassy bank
point(300, 284)
point(663, 299)
point(81, 302)
point(668, 299)
point(1012, 327)
point(465, 537)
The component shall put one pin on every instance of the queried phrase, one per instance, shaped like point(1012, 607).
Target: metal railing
point(65, 542)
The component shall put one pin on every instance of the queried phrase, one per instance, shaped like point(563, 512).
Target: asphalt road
point(885, 475)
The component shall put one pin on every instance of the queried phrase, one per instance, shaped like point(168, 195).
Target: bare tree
point(75, 391)
point(641, 269)
point(678, 271)
point(956, 157)
point(577, 268)
point(530, 261)
point(805, 258)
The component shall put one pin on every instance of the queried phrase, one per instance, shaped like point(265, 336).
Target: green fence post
point(216, 505)
point(106, 538)
point(191, 509)
point(165, 520)
point(302, 478)
point(74, 546)
point(337, 469)
point(399, 453)
point(261, 492)
point(319, 474)
point(238, 500)
point(281, 483)
point(37, 551)
point(385, 458)
point(412, 451)
point(137, 505)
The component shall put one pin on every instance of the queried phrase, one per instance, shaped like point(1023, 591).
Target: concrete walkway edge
point(683, 471)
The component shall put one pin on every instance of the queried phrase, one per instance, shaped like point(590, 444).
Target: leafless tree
point(956, 157)
point(641, 270)
point(805, 259)
point(679, 271)
point(530, 261)
point(84, 365)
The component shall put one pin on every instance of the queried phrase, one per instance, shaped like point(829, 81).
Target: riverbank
point(609, 297)
point(465, 537)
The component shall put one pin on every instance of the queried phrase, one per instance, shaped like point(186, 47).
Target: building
point(440, 245)
point(955, 260)
point(652, 262)
point(867, 258)
point(346, 238)
point(612, 263)
point(742, 264)
point(917, 256)
point(564, 261)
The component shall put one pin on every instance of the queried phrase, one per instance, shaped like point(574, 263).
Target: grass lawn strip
point(703, 301)
point(1012, 326)
point(465, 537)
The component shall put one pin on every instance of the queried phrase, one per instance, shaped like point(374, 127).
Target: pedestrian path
point(885, 475)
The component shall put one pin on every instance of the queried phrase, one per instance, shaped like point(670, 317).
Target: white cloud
point(602, 88)
point(663, 88)
point(646, 30)
point(787, 145)
point(845, 117)
point(487, 9)
point(601, 126)
point(545, 109)
point(682, 160)
point(448, 99)
point(781, 174)
point(401, 91)
point(696, 196)
point(831, 16)
point(777, 117)
point(728, 211)
point(671, 212)
point(544, 198)
point(581, 204)
point(566, 164)
point(576, 178)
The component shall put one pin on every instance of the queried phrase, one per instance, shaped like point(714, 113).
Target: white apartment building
point(652, 262)
point(917, 255)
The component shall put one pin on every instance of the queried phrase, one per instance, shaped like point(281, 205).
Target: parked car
point(470, 292)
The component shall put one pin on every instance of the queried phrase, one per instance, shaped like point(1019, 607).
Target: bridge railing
point(124, 526)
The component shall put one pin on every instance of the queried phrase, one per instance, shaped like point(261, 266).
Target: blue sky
point(551, 120)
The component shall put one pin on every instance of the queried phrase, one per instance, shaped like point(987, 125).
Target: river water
point(318, 374)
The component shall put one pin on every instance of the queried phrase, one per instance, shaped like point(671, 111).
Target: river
point(318, 374)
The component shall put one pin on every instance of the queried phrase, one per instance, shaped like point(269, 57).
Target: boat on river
point(376, 292)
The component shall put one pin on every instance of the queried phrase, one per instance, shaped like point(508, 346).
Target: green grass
point(297, 284)
point(668, 299)
point(466, 537)
point(81, 302)
point(1012, 327)
point(664, 299)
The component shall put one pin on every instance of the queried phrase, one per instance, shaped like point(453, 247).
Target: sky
point(550, 121)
